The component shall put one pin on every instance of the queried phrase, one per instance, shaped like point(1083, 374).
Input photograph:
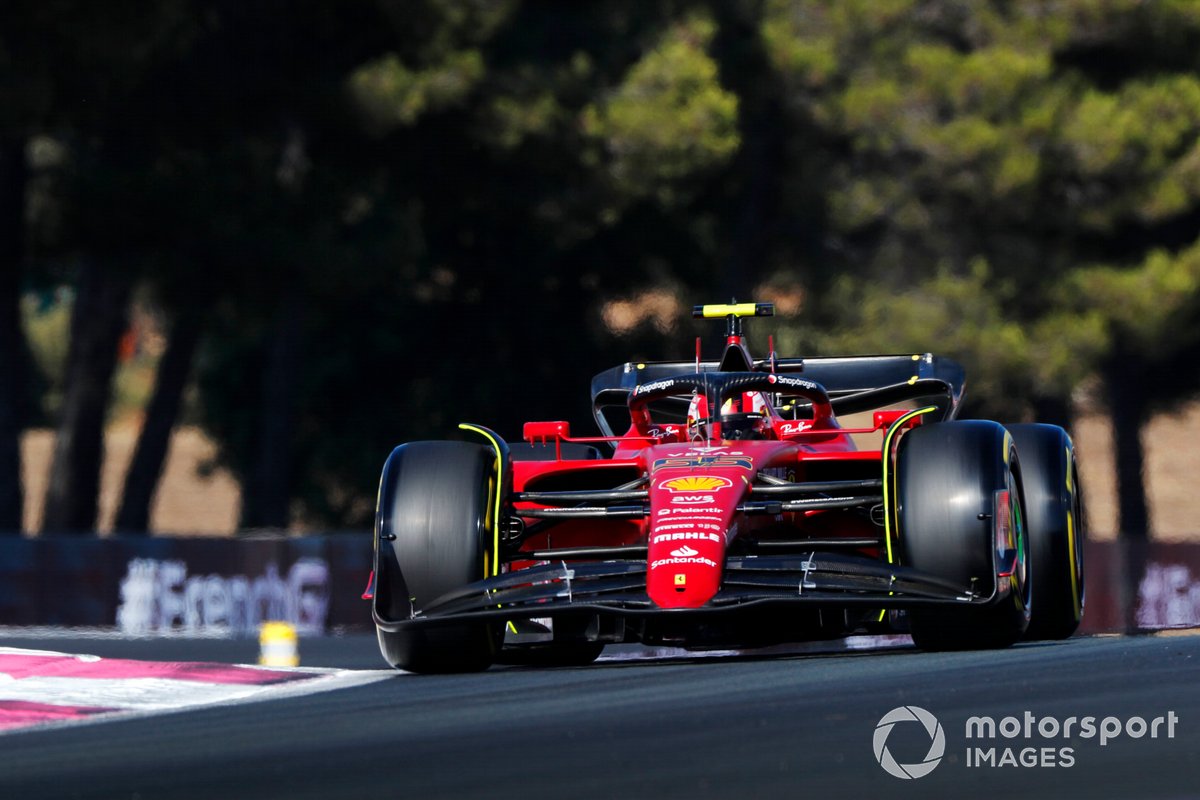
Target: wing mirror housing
point(535, 432)
point(886, 419)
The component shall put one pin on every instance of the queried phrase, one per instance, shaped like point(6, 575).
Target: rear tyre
point(434, 498)
point(1054, 521)
point(947, 477)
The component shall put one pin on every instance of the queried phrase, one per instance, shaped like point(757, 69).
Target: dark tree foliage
point(363, 222)
point(162, 411)
point(97, 322)
point(1014, 184)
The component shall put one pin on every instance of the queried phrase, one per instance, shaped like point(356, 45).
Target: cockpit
point(742, 417)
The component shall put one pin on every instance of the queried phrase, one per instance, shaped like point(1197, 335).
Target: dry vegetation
point(187, 504)
point(1171, 461)
point(191, 505)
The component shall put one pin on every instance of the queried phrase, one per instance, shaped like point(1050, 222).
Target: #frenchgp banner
point(226, 587)
point(157, 586)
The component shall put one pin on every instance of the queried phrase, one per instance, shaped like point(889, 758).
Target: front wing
point(618, 588)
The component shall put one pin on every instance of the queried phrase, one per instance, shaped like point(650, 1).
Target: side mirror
point(534, 432)
point(885, 419)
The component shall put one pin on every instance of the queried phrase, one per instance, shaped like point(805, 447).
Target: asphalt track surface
point(788, 726)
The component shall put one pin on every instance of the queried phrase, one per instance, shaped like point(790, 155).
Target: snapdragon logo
point(929, 727)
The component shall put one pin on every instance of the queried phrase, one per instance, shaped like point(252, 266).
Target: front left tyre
point(949, 477)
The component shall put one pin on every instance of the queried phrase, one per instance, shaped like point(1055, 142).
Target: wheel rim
point(1021, 543)
point(1021, 585)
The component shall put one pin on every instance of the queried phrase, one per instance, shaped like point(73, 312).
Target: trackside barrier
point(230, 587)
point(210, 587)
point(1141, 586)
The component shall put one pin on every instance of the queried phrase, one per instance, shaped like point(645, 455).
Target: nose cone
point(690, 514)
point(684, 568)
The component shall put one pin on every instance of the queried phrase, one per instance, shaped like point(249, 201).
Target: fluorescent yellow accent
point(511, 627)
point(464, 426)
point(1007, 445)
point(738, 310)
point(1071, 534)
point(882, 614)
point(641, 366)
point(1071, 556)
point(887, 457)
point(916, 358)
point(912, 380)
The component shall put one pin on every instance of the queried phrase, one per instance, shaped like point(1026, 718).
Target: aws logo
point(696, 483)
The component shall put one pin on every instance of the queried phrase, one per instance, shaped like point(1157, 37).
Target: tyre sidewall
point(433, 500)
point(947, 476)
point(432, 524)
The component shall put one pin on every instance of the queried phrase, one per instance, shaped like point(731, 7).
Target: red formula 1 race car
point(748, 502)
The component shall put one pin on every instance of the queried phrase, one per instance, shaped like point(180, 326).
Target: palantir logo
point(933, 728)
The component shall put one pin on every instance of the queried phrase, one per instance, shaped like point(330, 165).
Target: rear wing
point(854, 383)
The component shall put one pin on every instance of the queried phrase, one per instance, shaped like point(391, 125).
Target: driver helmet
point(743, 417)
point(698, 421)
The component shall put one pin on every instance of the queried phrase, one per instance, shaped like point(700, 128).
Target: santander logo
point(684, 552)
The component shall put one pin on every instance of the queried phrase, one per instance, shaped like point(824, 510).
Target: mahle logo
point(932, 729)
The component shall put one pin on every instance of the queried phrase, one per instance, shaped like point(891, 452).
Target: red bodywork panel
point(694, 495)
point(697, 491)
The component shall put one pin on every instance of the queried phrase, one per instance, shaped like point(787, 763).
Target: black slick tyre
point(1054, 521)
point(947, 478)
point(432, 526)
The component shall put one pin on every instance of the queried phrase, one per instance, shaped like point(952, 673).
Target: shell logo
point(696, 483)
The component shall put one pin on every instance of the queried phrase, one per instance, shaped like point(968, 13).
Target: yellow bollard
point(277, 645)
